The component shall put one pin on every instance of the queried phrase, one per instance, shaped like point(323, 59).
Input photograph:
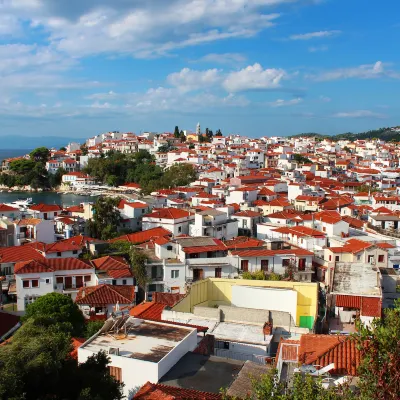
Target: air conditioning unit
point(113, 351)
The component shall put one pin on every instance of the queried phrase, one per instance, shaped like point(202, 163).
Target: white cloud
point(368, 71)
point(142, 28)
point(325, 99)
point(223, 58)
point(254, 77)
point(314, 35)
point(359, 114)
point(188, 79)
point(315, 49)
point(284, 103)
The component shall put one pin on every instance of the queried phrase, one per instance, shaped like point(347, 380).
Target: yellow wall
point(219, 291)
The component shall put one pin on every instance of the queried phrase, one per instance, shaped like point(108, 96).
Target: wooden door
point(244, 265)
point(68, 282)
point(79, 281)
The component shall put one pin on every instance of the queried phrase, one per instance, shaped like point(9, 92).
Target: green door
point(306, 322)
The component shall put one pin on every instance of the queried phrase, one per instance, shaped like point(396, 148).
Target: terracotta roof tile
point(153, 391)
point(326, 349)
point(106, 294)
point(144, 236)
point(116, 267)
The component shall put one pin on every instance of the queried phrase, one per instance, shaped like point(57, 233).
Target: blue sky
point(255, 67)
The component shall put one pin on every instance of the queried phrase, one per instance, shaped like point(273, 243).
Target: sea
point(9, 153)
point(61, 199)
point(42, 197)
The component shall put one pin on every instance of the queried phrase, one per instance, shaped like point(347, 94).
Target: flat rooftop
point(355, 279)
point(205, 373)
point(149, 341)
point(242, 333)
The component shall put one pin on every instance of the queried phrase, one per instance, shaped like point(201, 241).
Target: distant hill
point(386, 134)
point(31, 142)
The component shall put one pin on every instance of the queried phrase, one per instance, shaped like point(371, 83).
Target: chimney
point(83, 294)
point(267, 328)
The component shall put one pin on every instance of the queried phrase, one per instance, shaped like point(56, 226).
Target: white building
point(31, 230)
point(37, 278)
point(150, 350)
point(175, 220)
point(214, 223)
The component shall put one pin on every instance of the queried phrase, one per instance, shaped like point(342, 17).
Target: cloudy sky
point(255, 67)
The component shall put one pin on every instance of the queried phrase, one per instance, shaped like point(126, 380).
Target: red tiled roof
point(50, 265)
point(30, 267)
point(326, 349)
point(369, 306)
point(169, 299)
point(157, 391)
point(168, 213)
point(116, 267)
point(5, 208)
point(76, 343)
point(247, 213)
point(144, 236)
point(271, 253)
point(106, 294)
point(219, 245)
point(19, 253)
point(348, 301)
point(45, 207)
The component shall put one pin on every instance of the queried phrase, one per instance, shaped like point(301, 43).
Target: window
point(87, 278)
point(219, 229)
point(47, 280)
point(74, 251)
point(58, 253)
point(124, 281)
point(264, 265)
point(116, 373)
point(180, 229)
point(323, 229)
point(381, 258)
point(226, 345)
point(175, 273)
point(337, 258)
point(35, 283)
point(25, 284)
point(114, 281)
point(218, 272)
point(359, 258)
point(330, 258)
point(370, 259)
point(59, 279)
point(244, 265)
point(169, 248)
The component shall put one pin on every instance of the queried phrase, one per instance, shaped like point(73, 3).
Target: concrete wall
point(189, 343)
point(219, 291)
point(207, 312)
point(265, 299)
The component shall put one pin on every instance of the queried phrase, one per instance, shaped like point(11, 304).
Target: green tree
point(179, 175)
point(40, 154)
point(57, 310)
point(106, 218)
point(218, 133)
point(84, 149)
point(182, 137)
point(56, 179)
point(111, 180)
point(301, 159)
point(22, 166)
point(63, 148)
point(137, 259)
point(37, 365)
point(269, 387)
point(92, 327)
point(380, 356)
point(176, 132)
